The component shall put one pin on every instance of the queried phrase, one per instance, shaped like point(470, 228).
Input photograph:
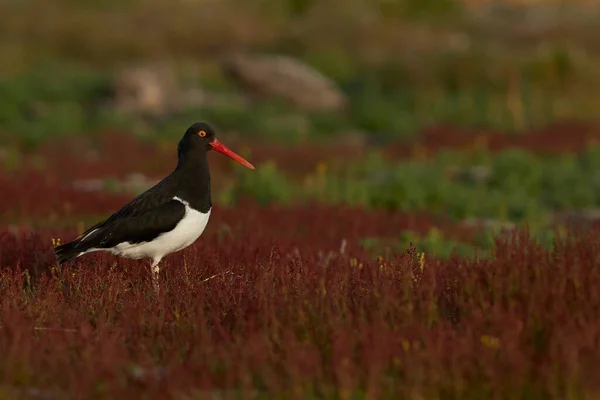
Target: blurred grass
point(107, 31)
point(513, 185)
point(403, 64)
point(52, 99)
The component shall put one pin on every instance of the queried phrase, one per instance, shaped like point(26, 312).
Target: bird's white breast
point(185, 233)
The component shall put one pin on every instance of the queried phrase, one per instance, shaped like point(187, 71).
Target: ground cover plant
point(294, 300)
point(246, 317)
point(436, 237)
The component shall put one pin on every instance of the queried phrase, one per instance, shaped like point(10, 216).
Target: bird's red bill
point(220, 147)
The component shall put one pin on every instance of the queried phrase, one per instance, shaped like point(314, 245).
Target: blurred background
point(480, 115)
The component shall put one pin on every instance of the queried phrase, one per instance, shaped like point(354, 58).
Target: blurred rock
point(144, 374)
point(285, 78)
point(28, 392)
point(89, 185)
point(136, 182)
point(353, 138)
point(133, 183)
point(489, 224)
point(475, 174)
point(154, 91)
point(578, 218)
point(145, 89)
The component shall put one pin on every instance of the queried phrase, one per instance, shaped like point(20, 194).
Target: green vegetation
point(414, 64)
point(73, 101)
point(475, 189)
point(434, 243)
point(513, 185)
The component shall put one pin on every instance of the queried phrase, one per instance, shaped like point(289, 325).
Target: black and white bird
point(166, 218)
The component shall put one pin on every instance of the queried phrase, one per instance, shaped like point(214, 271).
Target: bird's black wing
point(143, 219)
point(133, 226)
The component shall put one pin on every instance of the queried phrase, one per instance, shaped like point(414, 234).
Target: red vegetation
point(30, 194)
point(113, 154)
point(117, 154)
point(555, 139)
point(313, 227)
point(277, 302)
point(284, 323)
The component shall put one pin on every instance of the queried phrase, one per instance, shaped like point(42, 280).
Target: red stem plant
point(259, 311)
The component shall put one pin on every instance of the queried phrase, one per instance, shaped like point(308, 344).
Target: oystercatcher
point(167, 217)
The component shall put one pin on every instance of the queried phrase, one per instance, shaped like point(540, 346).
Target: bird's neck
point(193, 181)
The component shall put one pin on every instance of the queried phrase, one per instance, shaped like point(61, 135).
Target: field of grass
point(336, 283)
point(435, 239)
point(257, 309)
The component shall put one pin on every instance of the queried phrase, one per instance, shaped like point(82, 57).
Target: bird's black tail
point(66, 252)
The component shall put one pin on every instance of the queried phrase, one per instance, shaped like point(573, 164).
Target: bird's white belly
point(185, 233)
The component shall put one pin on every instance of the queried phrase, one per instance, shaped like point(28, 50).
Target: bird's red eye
point(202, 133)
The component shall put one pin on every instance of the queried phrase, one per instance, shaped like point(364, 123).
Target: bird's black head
point(197, 137)
point(200, 138)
